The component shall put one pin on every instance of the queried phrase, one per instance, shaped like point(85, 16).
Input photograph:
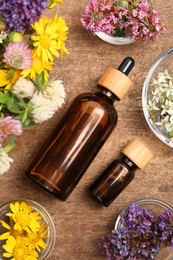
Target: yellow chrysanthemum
point(24, 217)
point(19, 249)
point(37, 67)
point(36, 239)
point(7, 83)
point(49, 38)
point(62, 31)
point(52, 3)
point(11, 231)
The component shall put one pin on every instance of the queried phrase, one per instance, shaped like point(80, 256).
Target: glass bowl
point(163, 62)
point(114, 40)
point(158, 207)
point(155, 205)
point(46, 219)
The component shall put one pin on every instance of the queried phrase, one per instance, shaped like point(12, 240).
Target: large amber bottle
point(80, 134)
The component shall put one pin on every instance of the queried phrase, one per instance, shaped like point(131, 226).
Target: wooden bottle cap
point(116, 81)
point(138, 153)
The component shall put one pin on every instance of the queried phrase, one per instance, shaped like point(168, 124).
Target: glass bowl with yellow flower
point(26, 231)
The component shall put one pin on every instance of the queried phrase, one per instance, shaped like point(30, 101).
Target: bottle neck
point(106, 94)
point(129, 163)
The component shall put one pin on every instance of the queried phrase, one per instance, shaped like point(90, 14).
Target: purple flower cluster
point(99, 17)
point(165, 226)
point(142, 23)
point(141, 235)
point(137, 19)
point(18, 15)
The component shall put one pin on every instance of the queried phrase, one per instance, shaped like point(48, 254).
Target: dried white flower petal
point(55, 91)
point(42, 108)
point(23, 88)
point(5, 161)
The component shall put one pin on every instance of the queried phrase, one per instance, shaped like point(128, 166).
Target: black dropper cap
point(116, 80)
point(126, 65)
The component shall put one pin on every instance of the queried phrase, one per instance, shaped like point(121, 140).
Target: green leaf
point(12, 138)
point(41, 82)
point(2, 65)
point(123, 3)
point(170, 134)
point(119, 32)
point(40, 78)
point(28, 123)
point(25, 114)
point(10, 146)
point(19, 117)
point(4, 97)
point(9, 74)
point(12, 105)
point(1, 116)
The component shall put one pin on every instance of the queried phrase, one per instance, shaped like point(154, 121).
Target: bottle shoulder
point(121, 164)
point(95, 104)
point(93, 98)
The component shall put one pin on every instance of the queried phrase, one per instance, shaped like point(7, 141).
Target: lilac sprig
point(18, 15)
point(140, 236)
point(137, 219)
point(165, 226)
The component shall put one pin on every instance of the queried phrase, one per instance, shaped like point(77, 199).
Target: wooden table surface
point(80, 221)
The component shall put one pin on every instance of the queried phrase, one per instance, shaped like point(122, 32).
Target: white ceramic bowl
point(114, 40)
point(155, 205)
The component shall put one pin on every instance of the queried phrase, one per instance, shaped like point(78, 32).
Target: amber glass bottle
point(67, 153)
point(120, 172)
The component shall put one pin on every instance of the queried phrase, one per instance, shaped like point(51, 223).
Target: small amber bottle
point(120, 172)
point(80, 134)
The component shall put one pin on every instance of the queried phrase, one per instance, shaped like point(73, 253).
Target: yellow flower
point(24, 217)
point(8, 83)
point(11, 231)
point(37, 67)
point(62, 31)
point(49, 39)
point(36, 239)
point(19, 249)
point(52, 3)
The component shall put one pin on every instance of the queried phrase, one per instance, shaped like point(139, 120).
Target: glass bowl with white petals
point(27, 231)
point(157, 97)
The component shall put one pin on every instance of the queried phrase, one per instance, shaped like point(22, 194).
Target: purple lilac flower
point(165, 225)
point(18, 15)
point(8, 127)
point(135, 217)
point(116, 245)
point(124, 244)
point(140, 236)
